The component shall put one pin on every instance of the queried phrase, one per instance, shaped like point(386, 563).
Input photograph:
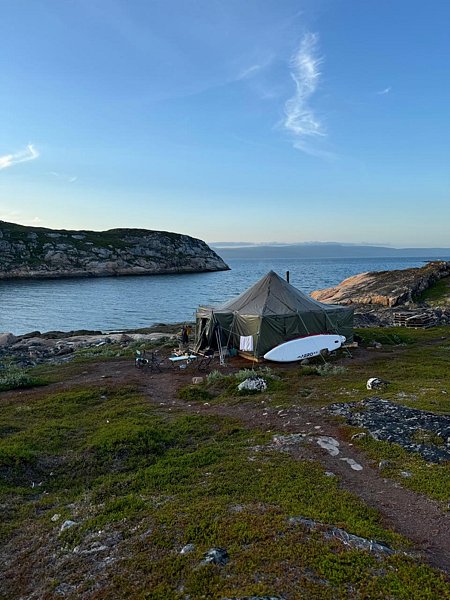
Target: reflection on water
point(115, 303)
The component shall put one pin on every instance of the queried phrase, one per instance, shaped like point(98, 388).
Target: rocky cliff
point(36, 253)
point(386, 288)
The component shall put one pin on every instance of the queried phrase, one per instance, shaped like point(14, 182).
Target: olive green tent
point(272, 312)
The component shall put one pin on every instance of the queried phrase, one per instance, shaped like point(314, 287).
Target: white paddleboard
point(305, 347)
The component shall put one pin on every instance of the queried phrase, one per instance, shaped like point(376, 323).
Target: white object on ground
point(304, 347)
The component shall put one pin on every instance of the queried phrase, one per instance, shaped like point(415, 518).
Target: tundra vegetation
point(135, 481)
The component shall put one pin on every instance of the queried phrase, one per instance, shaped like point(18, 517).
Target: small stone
point(406, 474)
point(197, 380)
point(67, 524)
point(187, 549)
point(329, 474)
point(216, 556)
point(55, 518)
point(353, 464)
point(359, 436)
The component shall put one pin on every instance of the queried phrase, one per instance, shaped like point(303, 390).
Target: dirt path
point(413, 515)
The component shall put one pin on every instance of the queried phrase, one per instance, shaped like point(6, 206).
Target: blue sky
point(263, 120)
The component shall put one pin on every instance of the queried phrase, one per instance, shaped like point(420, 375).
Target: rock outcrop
point(38, 253)
point(385, 288)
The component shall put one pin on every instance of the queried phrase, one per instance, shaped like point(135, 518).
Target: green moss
point(113, 462)
point(194, 393)
point(438, 293)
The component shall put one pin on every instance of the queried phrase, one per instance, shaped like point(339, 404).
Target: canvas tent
point(272, 312)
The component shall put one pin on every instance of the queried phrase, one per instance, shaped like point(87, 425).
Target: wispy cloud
point(385, 91)
point(249, 72)
point(8, 160)
point(300, 119)
point(69, 178)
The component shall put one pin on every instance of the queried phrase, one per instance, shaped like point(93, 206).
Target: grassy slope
point(438, 294)
point(155, 480)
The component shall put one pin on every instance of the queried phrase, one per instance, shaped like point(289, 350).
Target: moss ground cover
point(142, 481)
point(438, 294)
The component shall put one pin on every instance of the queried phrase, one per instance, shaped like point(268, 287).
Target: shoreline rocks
point(35, 348)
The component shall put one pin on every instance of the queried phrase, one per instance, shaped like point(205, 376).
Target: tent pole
point(335, 329)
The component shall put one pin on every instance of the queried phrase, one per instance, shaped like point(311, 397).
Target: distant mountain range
point(229, 250)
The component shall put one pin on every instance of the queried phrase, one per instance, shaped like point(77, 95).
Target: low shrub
point(214, 377)
point(194, 393)
point(329, 369)
point(264, 372)
point(13, 378)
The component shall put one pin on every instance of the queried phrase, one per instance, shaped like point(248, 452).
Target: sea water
point(119, 303)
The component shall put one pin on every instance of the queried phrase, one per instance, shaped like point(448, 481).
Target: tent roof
point(272, 295)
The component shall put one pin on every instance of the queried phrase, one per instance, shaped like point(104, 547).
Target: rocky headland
point(385, 288)
point(380, 297)
point(39, 253)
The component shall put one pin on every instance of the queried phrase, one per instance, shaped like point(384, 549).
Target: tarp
point(272, 311)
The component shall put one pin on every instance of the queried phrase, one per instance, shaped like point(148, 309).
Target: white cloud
point(249, 72)
point(300, 119)
point(69, 178)
point(385, 91)
point(8, 160)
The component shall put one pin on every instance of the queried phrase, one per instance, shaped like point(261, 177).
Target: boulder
point(7, 339)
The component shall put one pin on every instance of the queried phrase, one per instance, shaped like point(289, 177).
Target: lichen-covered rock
point(386, 288)
point(216, 556)
point(417, 431)
point(253, 384)
point(38, 253)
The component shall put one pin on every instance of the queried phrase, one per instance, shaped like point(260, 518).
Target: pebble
point(55, 518)
point(187, 549)
point(406, 474)
point(67, 524)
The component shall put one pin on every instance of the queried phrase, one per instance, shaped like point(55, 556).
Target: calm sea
point(117, 303)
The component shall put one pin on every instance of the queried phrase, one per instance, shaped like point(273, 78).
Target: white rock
point(187, 549)
point(67, 524)
point(329, 444)
point(353, 464)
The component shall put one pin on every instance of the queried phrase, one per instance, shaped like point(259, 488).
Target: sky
point(263, 120)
